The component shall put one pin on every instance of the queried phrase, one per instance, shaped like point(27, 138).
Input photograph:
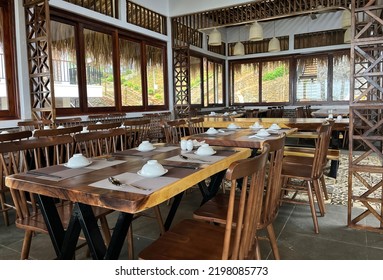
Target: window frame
point(293, 77)
point(80, 23)
point(208, 59)
point(10, 61)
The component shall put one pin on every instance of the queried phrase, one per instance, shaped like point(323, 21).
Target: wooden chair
point(17, 157)
point(33, 124)
point(174, 130)
point(215, 210)
point(103, 126)
point(196, 125)
point(252, 113)
point(300, 112)
point(156, 133)
point(136, 131)
point(309, 175)
point(4, 204)
point(192, 239)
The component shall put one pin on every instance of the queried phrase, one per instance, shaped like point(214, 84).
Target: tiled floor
point(293, 226)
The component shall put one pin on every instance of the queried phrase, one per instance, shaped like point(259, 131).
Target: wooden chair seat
point(188, 240)
point(332, 154)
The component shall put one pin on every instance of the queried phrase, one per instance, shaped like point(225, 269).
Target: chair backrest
point(252, 113)
point(174, 130)
point(156, 132)
point(308, 111)
point(33, 124)
point(239, 241)
point(68, 122)
point(321, 148)
point(98, 143)
point(136, 132)
point(103, 126)
point(272, 194)
point(196, 125)
point(21, 156)
point(15, 136)
point(300, 112)
point(57, 131)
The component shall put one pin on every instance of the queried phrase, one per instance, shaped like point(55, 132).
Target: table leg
point(173, 210)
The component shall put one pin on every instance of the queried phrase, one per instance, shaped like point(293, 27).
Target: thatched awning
point(98, 45)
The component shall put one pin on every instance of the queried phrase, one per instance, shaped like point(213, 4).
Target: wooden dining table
point(324, 112)
point(89, 186)
point(245, 138)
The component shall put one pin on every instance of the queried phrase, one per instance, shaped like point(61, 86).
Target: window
point(320, 78)
point(98, 68)
point(261, 82)
point(312, 77)
point(206, 81)
point(8, 95)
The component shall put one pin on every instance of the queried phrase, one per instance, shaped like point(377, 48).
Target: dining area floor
point(293, 226)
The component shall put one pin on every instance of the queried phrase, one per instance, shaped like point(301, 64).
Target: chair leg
point(4, 208)
point(323, 181)
point(105, 229)
point(129, 239)
point(319, 196)
point(159, 219)
point(26, 245)
point(312, 207)
point(273, 241)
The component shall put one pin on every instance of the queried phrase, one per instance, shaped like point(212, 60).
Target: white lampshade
point(256, 32)
point(346, 19)
point(347, 36)
point(274, 45)
point(239, 49)
point(215, 38)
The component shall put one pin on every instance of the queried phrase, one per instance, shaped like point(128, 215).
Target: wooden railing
point(106, 7)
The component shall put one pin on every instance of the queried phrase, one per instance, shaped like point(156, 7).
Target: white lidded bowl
point(232, 125)
point(274, 126)
point(263, 132)
point(145, 146)
point(152, 168)
point(212, 130)
point(205, 149)
point(78, 160)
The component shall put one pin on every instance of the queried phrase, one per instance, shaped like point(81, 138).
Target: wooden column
point(37, 20)
point(366, 121)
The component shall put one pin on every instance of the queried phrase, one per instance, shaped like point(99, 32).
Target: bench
point(332, 154)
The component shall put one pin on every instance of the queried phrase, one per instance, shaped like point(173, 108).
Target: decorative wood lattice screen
point(37, 22)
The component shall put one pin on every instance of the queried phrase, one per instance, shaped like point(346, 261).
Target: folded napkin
point(129, 180)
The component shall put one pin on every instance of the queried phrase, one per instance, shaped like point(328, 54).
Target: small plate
point(79, 166)
point(146, 150)
point(198, 154)
point(151, 176)
point(263, 134)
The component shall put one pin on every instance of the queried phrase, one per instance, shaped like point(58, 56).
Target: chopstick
point(181, 166)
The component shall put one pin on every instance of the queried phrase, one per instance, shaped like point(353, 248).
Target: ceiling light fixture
point(215, 38)
point(346, 19)
point(239, 48)
point(274, 44)
point(347, 36)
point(256, 32)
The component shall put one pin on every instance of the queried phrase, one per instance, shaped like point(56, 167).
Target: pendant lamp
point(347, 36)
point(256, 32)
point(274, 44)
point(346, 19)
point(215, 38)
point(239, 48)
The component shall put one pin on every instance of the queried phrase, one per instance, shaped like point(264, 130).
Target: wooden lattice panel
point(366, 120)
point(39, 59)
point(181, 62)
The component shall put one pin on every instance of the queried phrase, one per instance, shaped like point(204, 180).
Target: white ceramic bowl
point(152, 168)
point(205, 150)
point(232, 126)
point(78, 160)
point(263, 132)
point(275, 126)
point(212, 130)
point(145, 146)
